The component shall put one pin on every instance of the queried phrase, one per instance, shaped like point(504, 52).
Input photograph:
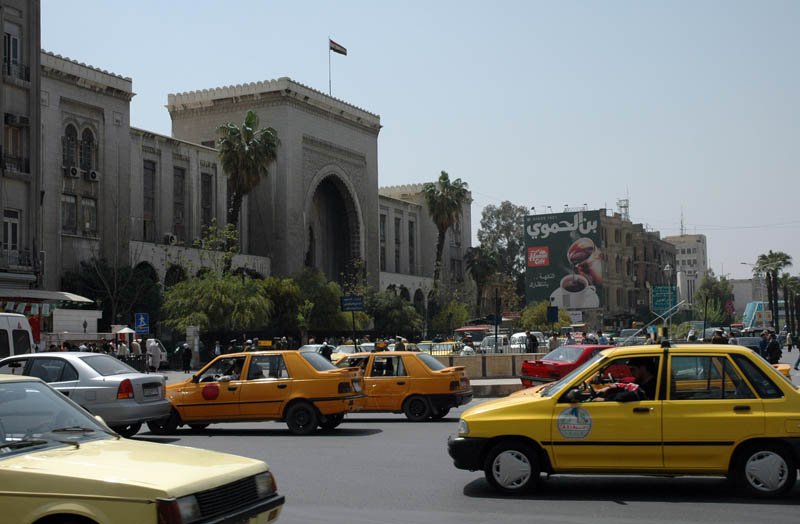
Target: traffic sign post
point(730, 307)
point(142, 322)
point(664, 299)
point(353, 303)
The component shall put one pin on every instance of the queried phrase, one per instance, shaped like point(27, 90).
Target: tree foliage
point(453, 315)
point(445, 200)
point(218, 302)
point(481, 262)
point(326, 314)
point(393, 315)
point(534, 317)
point(717, 290)
point(284, 293)
point(501, 231)
point(121, 291)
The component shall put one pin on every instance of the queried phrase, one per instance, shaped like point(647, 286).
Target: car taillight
point(453, 385)
point(344, 387)
point(125, 389)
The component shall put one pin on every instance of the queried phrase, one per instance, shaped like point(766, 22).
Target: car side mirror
point(574, 395)
point(195, 379)
point(99, 419)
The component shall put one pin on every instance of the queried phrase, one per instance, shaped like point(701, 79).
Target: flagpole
point(329, 66)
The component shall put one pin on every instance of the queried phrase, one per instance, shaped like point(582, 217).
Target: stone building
point(20, 144)
point(317, 207)
point(691, 259)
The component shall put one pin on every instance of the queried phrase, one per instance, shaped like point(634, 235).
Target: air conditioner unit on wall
point(71, 171)
point(10, 119)
point(170, 238)
point(93, 176)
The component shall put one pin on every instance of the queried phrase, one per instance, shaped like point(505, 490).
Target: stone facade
point(20, 145)
point(317, 206)
point(691, 259)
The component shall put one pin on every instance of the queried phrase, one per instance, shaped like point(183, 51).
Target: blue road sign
point(142, 321)
point(352, 303)
point(552, 314)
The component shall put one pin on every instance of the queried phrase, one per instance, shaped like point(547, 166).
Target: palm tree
point(771, 264)
point(245, 153)
point(790, 286)
point(481, 262)
point(444, 199)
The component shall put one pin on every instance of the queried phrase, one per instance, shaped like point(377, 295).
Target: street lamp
point(668, 273)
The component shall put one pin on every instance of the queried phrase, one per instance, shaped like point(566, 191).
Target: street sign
point(142, 321)
point(352, 303)
point(552, 314)
point(651, 329)
point(730, 308)
point(664, 299)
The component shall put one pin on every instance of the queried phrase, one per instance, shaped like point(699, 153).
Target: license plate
point(151, 391)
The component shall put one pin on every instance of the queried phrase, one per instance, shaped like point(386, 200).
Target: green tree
point(771, 264)
point(501, 231)
point(284, 293)
point(481, 262)
point(218, 302)
point(326, 314)
point(453, 315)
point(245, 153)
point(710, 298)
point(445, 200)
point(534, 317)
point(121, 291)
point(393, 315)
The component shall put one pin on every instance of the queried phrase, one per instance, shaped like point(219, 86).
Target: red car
point(557, 363)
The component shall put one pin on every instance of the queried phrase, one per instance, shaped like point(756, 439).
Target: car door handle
point(741, 408)
point(401, 383)
point(281, 386)
point(231, 388)
point(642, 410)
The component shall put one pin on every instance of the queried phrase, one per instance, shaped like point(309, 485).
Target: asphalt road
point(382, 468)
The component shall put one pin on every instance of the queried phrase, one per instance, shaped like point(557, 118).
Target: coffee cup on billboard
point(574, 283)
point(580, 251)
point(577, 292)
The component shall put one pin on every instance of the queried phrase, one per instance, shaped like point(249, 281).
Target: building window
point(397, 227)
point(383, 242)
point(619, 298)
point(178, 203)
point(456, 240)
point(89, 214)
point(69, 214)
point(148, 201)
point(87, 150)
point(456, 274)
point(12, 51)
point(207, 198)
point(69, 145)
point(617, 236)
point(10, 230)
point(627, 240)
point(411, 246)
point(14, 147)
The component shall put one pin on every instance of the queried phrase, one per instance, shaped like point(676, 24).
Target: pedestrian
point(762, 344)
point(553, 342)
point(531, 342)
point(326, 350)
point(153, 355)
point(247, 345)
point(217, 349)
point(399, 345)
point(570, 339)
point(602, 338)
point(718, 337)
point(136, 348)
point(692, 336)
point(773, 349)
point(186, 357)
point(255, 345)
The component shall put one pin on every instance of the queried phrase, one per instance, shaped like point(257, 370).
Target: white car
point(502, 344)
point(519, 341)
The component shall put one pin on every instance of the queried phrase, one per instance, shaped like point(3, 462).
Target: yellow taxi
point(58, 464)
point(410, 382)
point(301, 388)
point(683, 410)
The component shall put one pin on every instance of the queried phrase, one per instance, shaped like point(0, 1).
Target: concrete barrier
point(506, 365)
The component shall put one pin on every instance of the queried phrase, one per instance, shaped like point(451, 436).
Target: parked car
point(58, 464)
point(556, 364)
point(343, 350)
point(16, 337)
point(495, 344)
point(301, 388)
point(445, 348)
point(519, 341)
point(715, 410)
point(413, 383)
point(99, 383)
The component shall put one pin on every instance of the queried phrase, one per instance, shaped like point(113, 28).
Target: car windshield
point(564, 354)
point(319, 362)
point(34, 416)
point(431, 362)
point(107, 365)
point(346, 349)
point(555, 387)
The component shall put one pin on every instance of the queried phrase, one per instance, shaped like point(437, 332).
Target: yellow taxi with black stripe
point(718, 410)
point(301, 388)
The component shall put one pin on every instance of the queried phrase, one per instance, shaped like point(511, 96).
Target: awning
point(41, 294)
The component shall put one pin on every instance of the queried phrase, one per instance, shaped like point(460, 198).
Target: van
point(495, 344)
point(16, 337)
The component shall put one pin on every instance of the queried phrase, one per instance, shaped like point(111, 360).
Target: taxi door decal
point(574, 423)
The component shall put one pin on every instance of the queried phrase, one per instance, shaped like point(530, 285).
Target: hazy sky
point(680, 105)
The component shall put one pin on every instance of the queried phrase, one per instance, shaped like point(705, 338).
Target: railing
point(16, 257)
point(20, 71)
point(16, 164)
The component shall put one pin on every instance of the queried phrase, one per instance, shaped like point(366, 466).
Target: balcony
point(19, 71)
point(16, 164)
point(16, 259)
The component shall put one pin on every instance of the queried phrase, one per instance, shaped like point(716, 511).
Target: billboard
point(564, 260)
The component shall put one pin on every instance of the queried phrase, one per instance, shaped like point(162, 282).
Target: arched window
point(87, 150)
point(69, 145)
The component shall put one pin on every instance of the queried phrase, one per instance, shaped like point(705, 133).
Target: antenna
point(623, 204)
point(683, 230)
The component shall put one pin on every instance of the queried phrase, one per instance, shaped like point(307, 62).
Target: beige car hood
point(124, 468)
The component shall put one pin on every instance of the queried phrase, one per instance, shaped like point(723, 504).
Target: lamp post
point(668, 273)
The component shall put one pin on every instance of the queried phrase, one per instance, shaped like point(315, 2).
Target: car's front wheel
point(765, 470)
point(128, 430)
point(302, 419)
point(512, 467)
point(165, 426)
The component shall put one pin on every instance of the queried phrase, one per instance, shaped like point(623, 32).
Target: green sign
point(664, 299)
point(352, 303)
point(564, 260)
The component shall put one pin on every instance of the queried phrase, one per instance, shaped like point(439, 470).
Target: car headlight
point(265, 484)
point(463, 427)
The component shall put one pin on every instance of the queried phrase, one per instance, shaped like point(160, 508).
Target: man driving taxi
point(644, 371)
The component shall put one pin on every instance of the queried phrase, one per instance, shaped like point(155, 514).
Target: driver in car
point(235, 371)
point(644, 370)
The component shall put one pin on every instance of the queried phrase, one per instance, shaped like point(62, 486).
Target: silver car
point(100, 383)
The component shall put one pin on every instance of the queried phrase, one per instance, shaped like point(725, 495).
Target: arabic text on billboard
point(564, 259)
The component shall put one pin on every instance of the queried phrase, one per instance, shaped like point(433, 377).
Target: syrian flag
point(336, 48)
